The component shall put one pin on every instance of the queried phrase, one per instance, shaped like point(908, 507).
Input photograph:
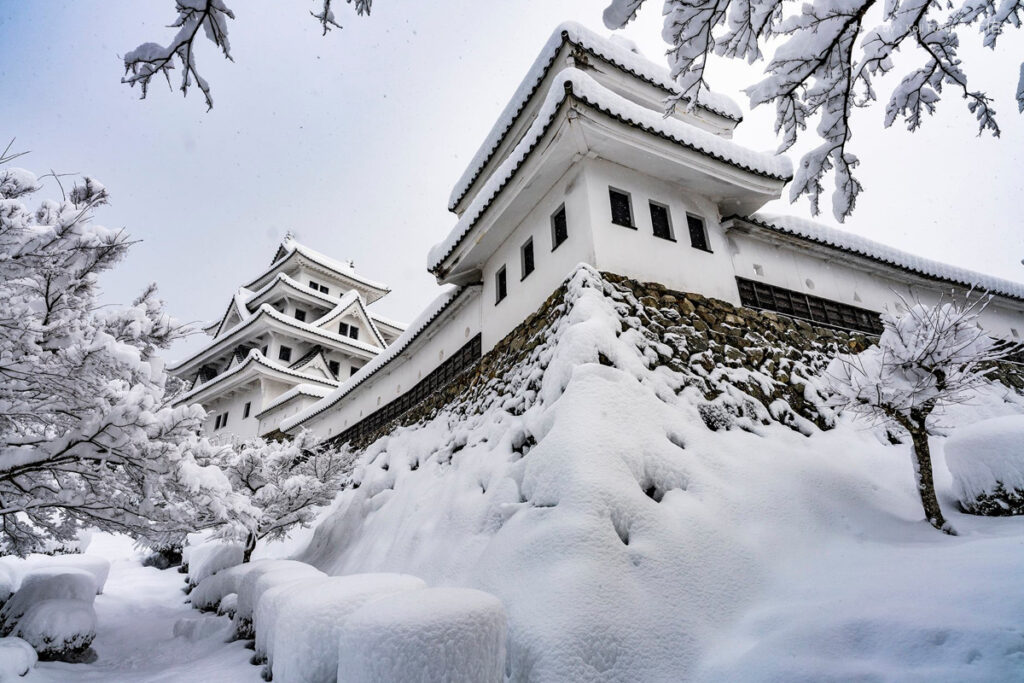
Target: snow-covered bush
point(436, 635)
point(58, 629)
point(206, 559)
point(66, 584)
point(7, 584)
point(987, 462)
point(212, 590)
point(300, 630)
point(19, 567)
point(927, 359)
point(260, 579)
point(17, 658)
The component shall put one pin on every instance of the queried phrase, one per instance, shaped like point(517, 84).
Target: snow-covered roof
point(883, 253)
point(346, 303)
point(612, 51)
point(255, 358)
point(298, 390)
point(585, 89)
point(289, 248)
point(387, 322)
point(415, 329)
point(266, 310)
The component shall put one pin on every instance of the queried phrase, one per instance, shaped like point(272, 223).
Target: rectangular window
point(500, 286)
point(799, 305)
point(216, 423)
point(698, 235)
point(353, 332)
point(526, 254)
point(343, 329)
point(314, 285)
point(661, 221)
point(559, 228)
point(324, 289)
point(224, 420)
point(284, 353)
point(622, 210)
point(334, 367)
point(246, 409)
point(300, 315)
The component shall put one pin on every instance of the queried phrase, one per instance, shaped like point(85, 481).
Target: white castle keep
point(581, 167)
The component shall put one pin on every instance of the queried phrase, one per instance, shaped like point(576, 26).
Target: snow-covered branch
point(824, 65)
point(211, 17)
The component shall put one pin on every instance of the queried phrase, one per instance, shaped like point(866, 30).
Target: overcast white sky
point(353, 141)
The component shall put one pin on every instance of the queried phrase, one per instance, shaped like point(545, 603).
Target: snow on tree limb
point(825, 63)
point(151, 59)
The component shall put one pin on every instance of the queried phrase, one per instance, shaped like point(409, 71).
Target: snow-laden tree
point(284, 481)
point(927, 358)
point(87, 435)
point(211, 18)
point(827, 55)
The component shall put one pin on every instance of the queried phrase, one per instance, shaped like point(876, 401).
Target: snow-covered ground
point(135, 641)
point(628, 541)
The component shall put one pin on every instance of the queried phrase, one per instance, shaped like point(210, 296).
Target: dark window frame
point(314, 285)
point(559, 227)
point(353, 332)
point(671, 234)
point(335, 367)
point(300, 315)
point(701, 229)
point(815, 309)
point(343, 329)
point(246, 409)
point(526, 259)
point(500, 285)
point(284, 353)
point(324, 289)
point(617, 220)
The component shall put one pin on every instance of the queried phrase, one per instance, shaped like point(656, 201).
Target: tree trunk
point(925, 483)
point(250, 545)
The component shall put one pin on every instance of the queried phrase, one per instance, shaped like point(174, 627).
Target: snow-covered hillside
point(645, 515)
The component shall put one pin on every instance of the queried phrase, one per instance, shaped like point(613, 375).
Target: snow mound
point(210, 592)
point(260, 579)
point(987, 462)
point(45, 585)
point(58, 629)
point(228, 605)
point(206, 559)
point(302, 636)
point(627, 534)
point(16, 658)
point(442, 635)
point(18, 567)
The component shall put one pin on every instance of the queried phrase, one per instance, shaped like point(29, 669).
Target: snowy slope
point(629, 541)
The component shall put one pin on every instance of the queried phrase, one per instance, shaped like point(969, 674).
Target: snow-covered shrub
point(436, 635)
point(17, 658)
point(300, 636)
point(987, 462)
point(7, 584)
point(228, 605)
point(99, 567)
point(211, 590)
point(58, 629)
point(259, 580)
point(66, 584)
point(206, 559)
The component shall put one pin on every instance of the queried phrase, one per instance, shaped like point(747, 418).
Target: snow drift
point(630, 503)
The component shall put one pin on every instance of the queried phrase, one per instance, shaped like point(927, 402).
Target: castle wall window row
point(317, 287)
point(813, 308)
point(350, 331)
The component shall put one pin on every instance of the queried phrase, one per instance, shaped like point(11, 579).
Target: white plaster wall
point(641, 255)
point(550, 267)
point(839, 279)
point(234, 405)
point(446, 336)
point(272, 420)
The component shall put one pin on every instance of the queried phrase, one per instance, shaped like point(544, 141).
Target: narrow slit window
point(284, 353)
point(216, 423)
point(698, 233)
point(246, 409)
point(526, 254)
point(500, 285)
point(622, 210)
point(559, 228)
point(224, 420)
point(661, 221)
point(300, 315)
